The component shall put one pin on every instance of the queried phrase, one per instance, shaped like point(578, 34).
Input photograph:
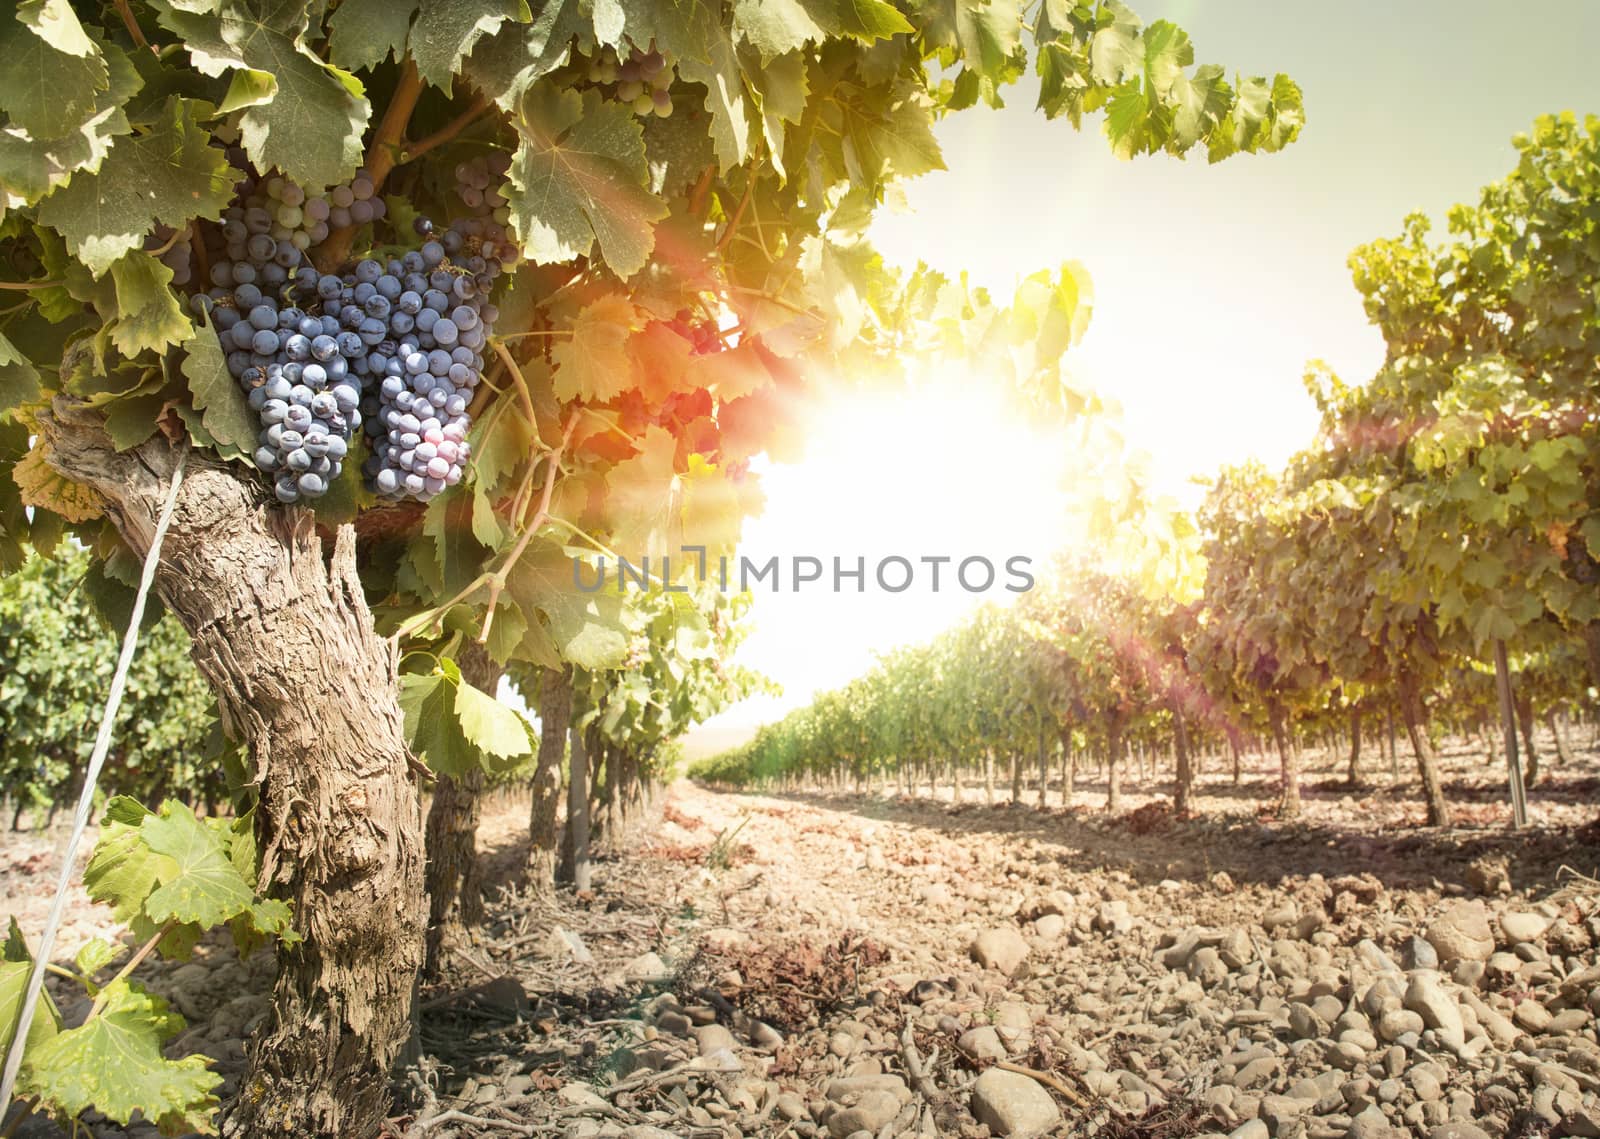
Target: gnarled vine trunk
point(1353, 775)
point(282, 633)
point(1288, 759)
point(455, 883)
point(1183, 791)
point(1427, 764)
point(544, 841)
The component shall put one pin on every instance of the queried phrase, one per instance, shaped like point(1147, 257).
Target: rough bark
point(575, 863)
point(1233, 749)
point(1016, 777)
point(1288, 760)
point(544, 841)
point(1044, 765)
point(1438, 810)
point(1113, 763)
point(1069, 768)
point(455, 882)
point(1183, 792)
point(1353, 776)
point(1524, 706)
point(282, 634)
point(1563, 751)
point(988, 776)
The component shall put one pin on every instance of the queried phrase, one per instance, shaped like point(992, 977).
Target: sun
point(942, 466)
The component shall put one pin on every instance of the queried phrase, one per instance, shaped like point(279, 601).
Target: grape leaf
point(133, 419)
point(42, 486)
point(594, 364)
point(578, 178)
point(428, 701)
point(113, 1063)
point(363, 33)
point(46, 90)
point(448, 521)
point(168, 175)
point(148, 312)
point(865, 20)
point(95, 955)
point(19, 379)
point(714, 506)
point(225, 414)
point(587, 627)
point(725, 100)
point(312, 126)
point(447, 30)
point(15, 965)
point(773, 27)
point(642, 499)
point(57, 24)
point(489, 726)
point(202, 886)
point(503, 66)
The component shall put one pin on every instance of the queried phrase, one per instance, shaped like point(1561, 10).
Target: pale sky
point(1214, 285)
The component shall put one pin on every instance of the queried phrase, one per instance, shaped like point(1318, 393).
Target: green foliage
point(685, 274)
point(170, 876)
point(56, 659)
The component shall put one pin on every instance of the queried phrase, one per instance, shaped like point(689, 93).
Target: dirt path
point(854, 966)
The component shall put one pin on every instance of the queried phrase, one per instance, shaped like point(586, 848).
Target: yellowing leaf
point(594, 364)
point(42, 486)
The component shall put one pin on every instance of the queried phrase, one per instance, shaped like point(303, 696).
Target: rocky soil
point(858, 967)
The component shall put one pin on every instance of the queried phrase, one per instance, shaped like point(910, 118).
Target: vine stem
point(381, 154)
point(738, 211)
point(126, 12)
point(497, 580)
point(412, 150)
point(97, 760)
point(27, 285)
point(133, 963)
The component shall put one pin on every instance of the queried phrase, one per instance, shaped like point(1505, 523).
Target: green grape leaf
point(448, 521)
point(113, 1063)
point(428, 701)
point(363, 33)
point(594, 363)
point(1200, 100)
point(503, 66)
point(48, 91)
point(168, 175)
point(15, 965)
point(489, 726)
point(485, 523)
point(773, 27)
point(587, 627)
point(225, 414)
point(719, 71)
point(95, 955)
point(132, 420)
point(311, 127)
point(579, 178)
point(865, 20)
point(148, 313)
point(19, 379)
point(57, 24)
point(201, 886)
point(447, 30)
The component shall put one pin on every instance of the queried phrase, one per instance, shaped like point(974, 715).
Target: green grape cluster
point(642, 81)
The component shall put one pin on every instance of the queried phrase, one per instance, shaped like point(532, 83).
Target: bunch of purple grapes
point(394, 343)
point(441, 325)
point(297, 357)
